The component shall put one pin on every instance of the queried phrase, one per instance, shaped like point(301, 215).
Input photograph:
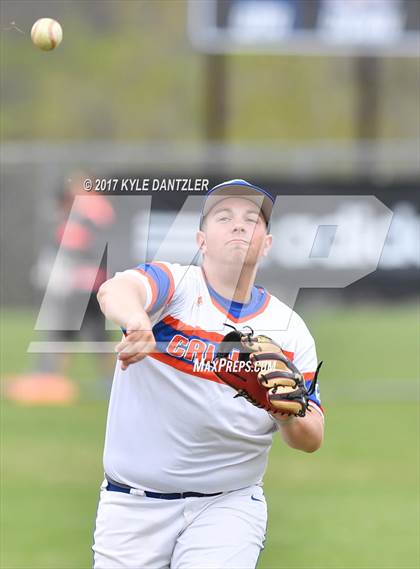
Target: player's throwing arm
point(122, 300)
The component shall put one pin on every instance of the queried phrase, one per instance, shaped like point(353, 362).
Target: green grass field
point(353, 504)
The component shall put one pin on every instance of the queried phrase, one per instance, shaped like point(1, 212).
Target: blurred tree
point(126, 70)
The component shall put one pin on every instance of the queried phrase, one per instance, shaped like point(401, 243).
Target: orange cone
point(40, 389)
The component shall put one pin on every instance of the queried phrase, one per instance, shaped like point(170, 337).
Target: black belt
point(116, 487)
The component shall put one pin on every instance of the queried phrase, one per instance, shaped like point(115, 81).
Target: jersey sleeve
point(305, 359)
point(159, 282)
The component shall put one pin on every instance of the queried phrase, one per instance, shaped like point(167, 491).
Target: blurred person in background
point(73, 254)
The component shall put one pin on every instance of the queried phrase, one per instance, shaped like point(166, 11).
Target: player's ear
point(268, 241)
point(201, 241)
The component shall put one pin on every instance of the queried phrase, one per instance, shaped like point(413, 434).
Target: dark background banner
point(396, 276)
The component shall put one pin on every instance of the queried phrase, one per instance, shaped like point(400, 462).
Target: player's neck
point(230, 283)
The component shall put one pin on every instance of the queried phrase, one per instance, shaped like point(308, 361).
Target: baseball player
point(184, 457)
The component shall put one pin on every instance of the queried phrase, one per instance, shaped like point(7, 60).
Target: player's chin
point(237, 253)
point(235, 258)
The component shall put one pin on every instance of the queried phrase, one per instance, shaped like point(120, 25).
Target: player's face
point(235, 232)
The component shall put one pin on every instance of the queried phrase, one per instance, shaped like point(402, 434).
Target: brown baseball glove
point(256, 367)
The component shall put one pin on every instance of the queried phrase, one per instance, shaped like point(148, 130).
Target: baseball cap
point(241, 189)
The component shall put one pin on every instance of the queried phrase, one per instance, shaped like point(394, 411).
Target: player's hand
point(137, 343)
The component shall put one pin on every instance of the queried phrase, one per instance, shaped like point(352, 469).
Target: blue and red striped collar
point(238, 311)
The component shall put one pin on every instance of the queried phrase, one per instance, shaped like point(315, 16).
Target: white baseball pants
point(219, 532)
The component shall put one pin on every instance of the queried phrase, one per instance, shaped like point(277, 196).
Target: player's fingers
point(127, 359)
point(142, 349)
point(128, 349)
point(124, 356)
point(126, 362)
point(134, 342)
point(129, 352)
point(125, 343)
point(120, 346)
point(133, 345)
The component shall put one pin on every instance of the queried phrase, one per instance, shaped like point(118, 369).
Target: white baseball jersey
point(173, 426)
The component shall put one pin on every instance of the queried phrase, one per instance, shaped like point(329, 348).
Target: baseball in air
point(46, 34)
